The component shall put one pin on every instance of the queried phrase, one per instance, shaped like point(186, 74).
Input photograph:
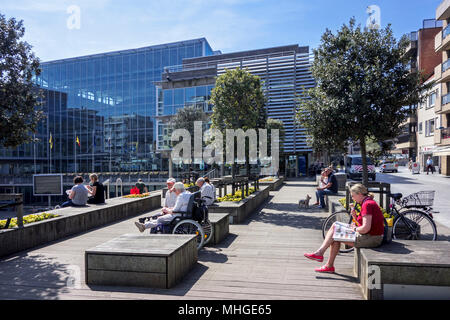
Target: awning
point(442, 152)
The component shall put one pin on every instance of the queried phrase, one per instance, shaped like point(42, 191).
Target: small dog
point(304, 203)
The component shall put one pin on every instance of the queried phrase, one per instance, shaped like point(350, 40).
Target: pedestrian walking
point(430, 165)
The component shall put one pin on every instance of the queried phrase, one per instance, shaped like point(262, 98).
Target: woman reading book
point(368, 226)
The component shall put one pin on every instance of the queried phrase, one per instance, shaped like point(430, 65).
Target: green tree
point(276, 124)
point(363, 83)
point(19, 98)
point(184, 119)
point(239, 103)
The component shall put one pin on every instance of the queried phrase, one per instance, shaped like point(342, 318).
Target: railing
point(406, 138)
point(446, 99)
point(446, 65)
point(107, 184)
point(445, 32)
point(117, 187)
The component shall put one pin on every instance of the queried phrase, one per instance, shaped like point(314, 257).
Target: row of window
point(430, 126)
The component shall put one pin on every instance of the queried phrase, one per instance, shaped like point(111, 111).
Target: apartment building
point(442, 77)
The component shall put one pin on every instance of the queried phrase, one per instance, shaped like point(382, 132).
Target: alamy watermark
point(74, 20)
point(374, 277)
point(214, 153)
point(374, 19)
point(73, 280)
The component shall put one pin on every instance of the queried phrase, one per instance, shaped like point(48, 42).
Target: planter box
point(74, 220)
point(274, 185)
point(155, 261)
point(240, 211)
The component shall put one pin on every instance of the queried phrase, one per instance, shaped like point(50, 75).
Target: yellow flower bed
point(267, 179)
point(186, 185)
point(29, 219)
point(142, 195)
point(237, 196)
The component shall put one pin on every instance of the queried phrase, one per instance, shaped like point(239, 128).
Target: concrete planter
point(239, 211)
point(73, 221)
point(274, 185)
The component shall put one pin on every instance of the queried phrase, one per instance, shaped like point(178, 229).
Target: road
point(406, 183)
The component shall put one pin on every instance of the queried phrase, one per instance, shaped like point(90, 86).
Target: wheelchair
point(194, 221)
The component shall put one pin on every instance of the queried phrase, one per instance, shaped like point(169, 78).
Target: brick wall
point(428, 58)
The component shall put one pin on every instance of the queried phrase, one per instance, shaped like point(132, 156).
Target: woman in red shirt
point(369, 227)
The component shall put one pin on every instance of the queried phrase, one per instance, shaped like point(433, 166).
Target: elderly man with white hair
point(169, 214)
point(206, 190)
point(171, 197)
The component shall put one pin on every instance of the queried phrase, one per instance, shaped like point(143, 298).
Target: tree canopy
point(363, 84)
point(19, 98)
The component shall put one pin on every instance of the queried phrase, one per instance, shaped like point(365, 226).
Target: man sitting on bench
point(168, 214)
point(207, 192)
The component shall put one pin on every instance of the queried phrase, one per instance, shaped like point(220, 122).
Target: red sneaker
point(325, 269)
point(313, 256)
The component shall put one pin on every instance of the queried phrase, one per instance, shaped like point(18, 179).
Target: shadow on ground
point(289, 219)
point(35, 277)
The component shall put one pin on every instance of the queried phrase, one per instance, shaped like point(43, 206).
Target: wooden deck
point(261, 259)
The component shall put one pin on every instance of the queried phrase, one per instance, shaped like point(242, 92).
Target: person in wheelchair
point(168, 214)
point(207, 192)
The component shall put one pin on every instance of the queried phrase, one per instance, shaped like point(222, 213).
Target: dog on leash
point(304, 203)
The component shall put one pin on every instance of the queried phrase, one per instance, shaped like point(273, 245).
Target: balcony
point(406, 141)
point(442, 40)
point(445, 104)
point(442, 138)
point(445, 72)
point(443, 11)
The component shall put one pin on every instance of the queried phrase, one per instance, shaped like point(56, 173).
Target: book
point(343, 232)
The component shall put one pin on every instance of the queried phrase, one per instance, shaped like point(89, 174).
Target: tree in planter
point(19, 98)
point(185, 119)
point(239, 103)
point(363, 83)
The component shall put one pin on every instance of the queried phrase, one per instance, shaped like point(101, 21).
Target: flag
point(51, 141)
point(78, 142)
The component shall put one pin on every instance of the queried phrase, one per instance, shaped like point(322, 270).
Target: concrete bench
point(155, 261)
point(404, 270)
point(221, 226)
point(239, 211)
point(74, 220)
point(332, 202)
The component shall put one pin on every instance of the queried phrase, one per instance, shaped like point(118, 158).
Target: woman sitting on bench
point(369, 227)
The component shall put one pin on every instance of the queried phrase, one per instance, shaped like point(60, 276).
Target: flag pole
point(93, 147)
point(75, 146)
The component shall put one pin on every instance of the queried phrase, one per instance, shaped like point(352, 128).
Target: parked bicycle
point(413, 218)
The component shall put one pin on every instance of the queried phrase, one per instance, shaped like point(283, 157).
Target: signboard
point(415, 168)
point(47, 184)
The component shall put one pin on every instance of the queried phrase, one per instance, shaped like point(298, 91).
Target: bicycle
point(413, 223)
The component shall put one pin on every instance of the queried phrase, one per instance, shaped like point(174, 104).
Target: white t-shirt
point(171, 199)
point(207, 193)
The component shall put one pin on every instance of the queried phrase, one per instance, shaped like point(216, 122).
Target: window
point(429, 127)
point(420, 127)
point(432, 100)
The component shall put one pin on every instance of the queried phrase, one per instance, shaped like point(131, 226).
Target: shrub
point(29, 219)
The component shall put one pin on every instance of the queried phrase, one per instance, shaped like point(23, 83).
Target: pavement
point(406, 183)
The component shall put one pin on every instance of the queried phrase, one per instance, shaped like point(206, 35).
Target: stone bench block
point(155, 261)
point(404, 270)
point(221, 226)
point(274, 185)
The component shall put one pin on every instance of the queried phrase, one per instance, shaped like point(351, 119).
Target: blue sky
point(228, 25)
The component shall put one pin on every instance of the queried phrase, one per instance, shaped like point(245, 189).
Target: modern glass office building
point(101, 112)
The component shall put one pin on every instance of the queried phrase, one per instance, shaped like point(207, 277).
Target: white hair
point(200, 180)
point(171, 180)
point(179, 186)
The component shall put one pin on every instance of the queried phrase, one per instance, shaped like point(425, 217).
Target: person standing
point(430, 165)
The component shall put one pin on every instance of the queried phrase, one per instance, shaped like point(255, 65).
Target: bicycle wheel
point(208, 230)
point(190, 227)
point(414, 225)
point(341, 216)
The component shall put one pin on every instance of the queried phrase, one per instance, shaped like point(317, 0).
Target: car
point(388, 166)
point(353, 167)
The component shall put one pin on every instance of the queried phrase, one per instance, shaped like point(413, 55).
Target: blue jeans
point(320, 196)
point(70, 203)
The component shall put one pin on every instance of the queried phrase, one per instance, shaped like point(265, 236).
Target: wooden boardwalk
point(261, 259)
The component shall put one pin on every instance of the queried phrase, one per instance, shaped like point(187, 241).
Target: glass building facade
point(101, 111)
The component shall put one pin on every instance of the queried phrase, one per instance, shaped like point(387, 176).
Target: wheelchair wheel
point(191, 227)
point(208, 230)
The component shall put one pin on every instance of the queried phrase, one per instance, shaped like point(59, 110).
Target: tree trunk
point(365, 176)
